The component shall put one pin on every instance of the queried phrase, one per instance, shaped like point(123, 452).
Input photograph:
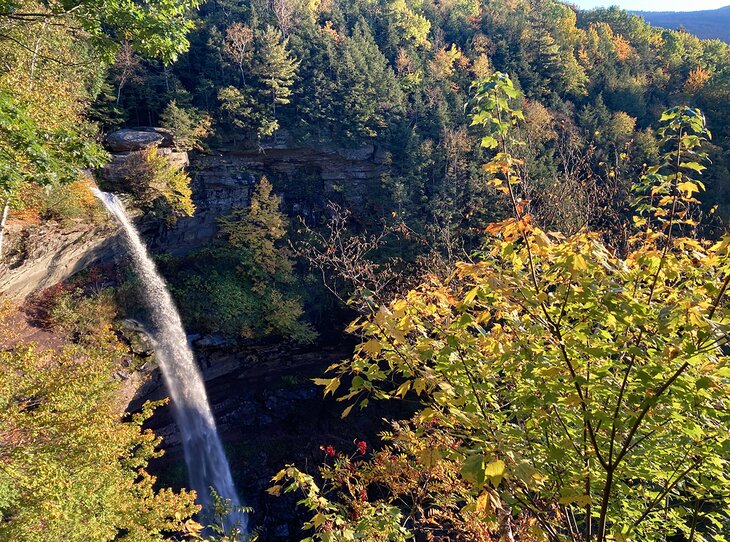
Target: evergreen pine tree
point(276, 69)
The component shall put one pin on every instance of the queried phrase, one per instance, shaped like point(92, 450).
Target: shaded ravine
point(206, 461)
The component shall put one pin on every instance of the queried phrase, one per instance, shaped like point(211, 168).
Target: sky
point(654, 5)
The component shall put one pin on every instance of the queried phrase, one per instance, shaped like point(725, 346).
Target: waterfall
point(206, 461)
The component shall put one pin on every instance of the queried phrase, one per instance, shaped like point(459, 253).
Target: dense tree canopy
point(396, 74)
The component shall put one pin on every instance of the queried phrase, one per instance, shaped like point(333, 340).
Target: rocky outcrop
point(336, 171)
point(127, 148)
point(42, 256)
point(137, 139)
point(123, 167)
point(305, 178)
point(216, 194)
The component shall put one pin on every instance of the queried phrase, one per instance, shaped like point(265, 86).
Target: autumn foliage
point(568, 391)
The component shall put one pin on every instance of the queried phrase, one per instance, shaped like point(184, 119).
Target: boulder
point(136, 139)
point(135, 335)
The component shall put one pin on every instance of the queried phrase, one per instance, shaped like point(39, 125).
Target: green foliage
point(28, 153)
point(257, 232)
point(64, 203)
point(491, 110)
point(378, 521)
point(82, 319)
point(220, 512)
point(188, 125)
point(252, 108)
point(158, 185)
point(409, 25)
point(371, 97)
point(54, 56)
point(363, 497)
point(667, 190)
point(239, 111)
point(70, 468)
point(157, 28)
point(245, 287)
point(275, 69)
point(173, 184)
point(585, 390)
point(396, 74)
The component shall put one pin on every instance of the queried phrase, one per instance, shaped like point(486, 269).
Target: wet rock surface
point(134, 335)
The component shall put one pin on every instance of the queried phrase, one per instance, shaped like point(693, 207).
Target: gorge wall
point(39, 256)
point(305, 178)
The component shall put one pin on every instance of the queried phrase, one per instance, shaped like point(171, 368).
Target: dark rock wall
point(223, 182)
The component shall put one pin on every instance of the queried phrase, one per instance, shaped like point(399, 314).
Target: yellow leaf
point(471, 295)
point(403, 389)
point(429, 457)
point(330, 384)
point(495, 468)
point(372, 347)
point(483, 502)
point(495, 471)
point(688, 187)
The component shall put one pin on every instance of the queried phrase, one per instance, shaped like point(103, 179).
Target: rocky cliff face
point(40, 256)
point(305, 178)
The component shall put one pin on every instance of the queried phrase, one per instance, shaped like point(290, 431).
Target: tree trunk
point(36, 50)
point(3, 220)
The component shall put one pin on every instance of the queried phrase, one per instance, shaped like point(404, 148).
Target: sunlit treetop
point(156, 28)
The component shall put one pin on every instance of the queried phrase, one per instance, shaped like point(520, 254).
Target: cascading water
point(206, 461)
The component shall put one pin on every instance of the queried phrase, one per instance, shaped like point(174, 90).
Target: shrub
point(580, 393)
point(70, 468)
point(157, 185)
point(84, 319)
point(63, 203)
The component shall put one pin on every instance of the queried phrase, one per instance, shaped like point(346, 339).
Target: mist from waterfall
point(206, 461)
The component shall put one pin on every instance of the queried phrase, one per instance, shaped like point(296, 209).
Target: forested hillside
point(706, 24)
point(533, 264)
point(392, 74)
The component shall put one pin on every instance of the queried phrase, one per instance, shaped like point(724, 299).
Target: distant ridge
point(707, 24)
